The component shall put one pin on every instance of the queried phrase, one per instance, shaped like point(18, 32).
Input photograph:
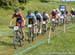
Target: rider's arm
point(49, 18)
point(26, 19)
point(35, 20)
point(70, 12)
point(41, 18)
point(22, 17)
point(11, 20)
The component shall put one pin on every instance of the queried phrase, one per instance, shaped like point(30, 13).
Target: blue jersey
point(45, 17)
point(63, 13)
point(31, 16)
point(38, 15)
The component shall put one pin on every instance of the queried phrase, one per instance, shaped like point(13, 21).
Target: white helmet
point(72, 9)
point(54, 10)
point(57, 9)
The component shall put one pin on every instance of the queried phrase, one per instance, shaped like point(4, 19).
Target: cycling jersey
point(63, 13)
point(72, 12)
point(66, 12)
point(45, 17)
point(38, 16)
point(53, 14)
point(19, 19)
point(31, 18)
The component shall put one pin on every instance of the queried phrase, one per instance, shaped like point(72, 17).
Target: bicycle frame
point(72, 18)
point(30, 33)
point(17, 36)
point(44, 27)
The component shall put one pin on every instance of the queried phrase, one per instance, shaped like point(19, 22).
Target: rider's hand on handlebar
point(10, 26)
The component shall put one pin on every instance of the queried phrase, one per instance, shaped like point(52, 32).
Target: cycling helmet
point(54, 10)
point(16, 10)
point(72, 9)
point(29, 12)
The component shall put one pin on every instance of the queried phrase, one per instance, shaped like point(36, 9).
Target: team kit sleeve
point(41, 15)
point(22, 17)
point(26, 16)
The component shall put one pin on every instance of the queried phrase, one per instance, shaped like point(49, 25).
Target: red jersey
point(54, 14)
point(20, 21)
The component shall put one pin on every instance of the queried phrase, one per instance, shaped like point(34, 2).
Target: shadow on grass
point(6, 43)
point(10, 36)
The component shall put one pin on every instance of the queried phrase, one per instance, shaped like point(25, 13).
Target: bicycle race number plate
point(73, 16)
point(30, 25)
point(44, 22)
point(61, 17)
point(16, 28)
point(53, 19)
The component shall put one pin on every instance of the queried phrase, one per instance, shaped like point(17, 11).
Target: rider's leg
point(71, 19)
point(40, 30)
point(46, 24)
point(57, 22)
point(22, 29)
point(40, 26)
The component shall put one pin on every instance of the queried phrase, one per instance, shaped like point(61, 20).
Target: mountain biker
point(20, 21)
point(63, 15)
point(45, 18)
point(72, 12)
point(31, 19)
point(54, 14)
point(57, 16)
point(66, 15)
point(39, 20)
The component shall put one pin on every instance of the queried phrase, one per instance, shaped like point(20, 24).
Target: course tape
point(39, 43)
point(5, 33)
point(8, 32)
point(27, 49)
point(63, 30)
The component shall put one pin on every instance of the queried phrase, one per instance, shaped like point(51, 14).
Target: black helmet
point(29, 12)
point(36, 11)
point(16, 10)
point(44, 12)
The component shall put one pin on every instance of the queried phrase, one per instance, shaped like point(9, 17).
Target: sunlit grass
point(5, 16)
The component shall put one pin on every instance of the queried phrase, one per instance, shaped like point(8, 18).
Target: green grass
point(6, 41)
point(63, 43)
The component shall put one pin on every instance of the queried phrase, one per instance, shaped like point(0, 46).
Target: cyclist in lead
point(20, 21)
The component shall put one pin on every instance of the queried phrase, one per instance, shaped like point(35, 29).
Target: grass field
point(60, 43)
point(6, 35)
